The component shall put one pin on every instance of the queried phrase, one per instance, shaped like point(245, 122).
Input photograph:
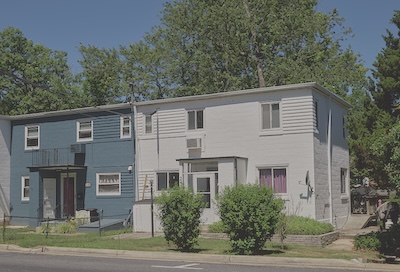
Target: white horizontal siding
point(298, 114)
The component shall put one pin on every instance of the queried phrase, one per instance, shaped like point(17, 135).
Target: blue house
point(65, 161)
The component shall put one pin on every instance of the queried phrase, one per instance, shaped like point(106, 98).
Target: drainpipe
point(134, 139)
point(330, 160)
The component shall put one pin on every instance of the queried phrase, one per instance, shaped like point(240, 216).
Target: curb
point(207, 258)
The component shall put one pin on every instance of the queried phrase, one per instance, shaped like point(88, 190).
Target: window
point(195, 119)
point(274, 178)
point(204, 188)
point(167, 180)
point(25, 188)
point(125, 125)
point(148, 124)
point(344, 127)
point(270, 115)
point(32, 137)
point(316, 114)
point(84, 130)
point(343, 180)
point(108, 184)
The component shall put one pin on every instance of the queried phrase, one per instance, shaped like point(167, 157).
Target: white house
point(5, 148)
point(291, 138)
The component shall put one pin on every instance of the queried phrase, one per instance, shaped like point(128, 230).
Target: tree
point(366, 123)
point(250, 214)
point(386, 90)
point(215, 46)
point(180, 210)
point(33, 78)
point(102, 75)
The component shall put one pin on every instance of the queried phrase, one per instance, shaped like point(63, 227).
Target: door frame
point(62, 176)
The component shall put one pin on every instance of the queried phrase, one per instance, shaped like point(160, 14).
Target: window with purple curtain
point(266, 177)
point(278, 182)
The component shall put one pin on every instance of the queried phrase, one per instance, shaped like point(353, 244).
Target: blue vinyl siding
point(106, 153)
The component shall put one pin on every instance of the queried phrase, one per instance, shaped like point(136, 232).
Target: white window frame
point(78, 130)
point(32, 137)
point(98, 193)
point(196, 125)
point(148, 123)
point(124, 126)
point(270, 116)
point(273, 168)
point(168, 181)
point(23, 186)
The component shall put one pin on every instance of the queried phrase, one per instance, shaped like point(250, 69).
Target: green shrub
point(250, 214)
point(179, 212)
point(368, 241)
point(299, 225)
point(217, 227)
point(390, 241)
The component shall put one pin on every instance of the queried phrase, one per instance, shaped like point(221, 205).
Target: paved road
point(28, 262)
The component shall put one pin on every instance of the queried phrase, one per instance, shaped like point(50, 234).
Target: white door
point(205, 184)
point(49, 197)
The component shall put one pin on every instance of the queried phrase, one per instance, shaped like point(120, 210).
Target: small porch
point(57, 183)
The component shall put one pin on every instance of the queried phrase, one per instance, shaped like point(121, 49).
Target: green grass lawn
point(28, 239)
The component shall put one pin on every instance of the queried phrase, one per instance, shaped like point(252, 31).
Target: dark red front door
point(69, 196)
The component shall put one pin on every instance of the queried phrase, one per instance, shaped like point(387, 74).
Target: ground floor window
point(25, 188)
point(343, 180)
point(274, 178)
point(167, 180)
point(108, 184)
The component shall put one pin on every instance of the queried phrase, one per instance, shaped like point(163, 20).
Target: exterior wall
point(5, 149)
point(232, 128)
point(107, 153)
point(331, 154)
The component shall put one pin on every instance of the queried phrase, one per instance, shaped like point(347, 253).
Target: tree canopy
point(33, 78)
point(215, 46)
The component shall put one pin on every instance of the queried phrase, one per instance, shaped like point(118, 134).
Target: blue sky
point(63, 25)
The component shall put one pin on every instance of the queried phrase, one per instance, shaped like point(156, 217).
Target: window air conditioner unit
point(78, 148)
point(194, 143)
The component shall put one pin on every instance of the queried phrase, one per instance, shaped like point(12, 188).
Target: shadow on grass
point(195, 250)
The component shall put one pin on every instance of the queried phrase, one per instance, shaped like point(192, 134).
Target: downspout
point(134, 139)
point(330, 160)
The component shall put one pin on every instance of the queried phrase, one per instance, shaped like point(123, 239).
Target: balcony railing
point(56, 157)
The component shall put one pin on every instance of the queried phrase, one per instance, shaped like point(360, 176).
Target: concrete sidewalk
point(208, 258)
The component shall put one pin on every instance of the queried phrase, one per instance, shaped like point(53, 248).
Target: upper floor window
point(25, 188)
point(108, 184)
point(148, 124)
point(125, 124)
point(195, 119)
point(84, 130)
point(270, 115)
point(344, 127)
point(274, 178)
point(316, 114)
point(167, 180)
point(32, 137)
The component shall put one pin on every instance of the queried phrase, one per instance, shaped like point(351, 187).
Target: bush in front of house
point(179, 211)
point(250, 214)
point(368, 241)
point(390, 241)
point(299, 225)
point(217, 227)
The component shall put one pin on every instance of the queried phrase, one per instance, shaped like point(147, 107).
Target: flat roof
point(309, 85)
point(110, 108)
